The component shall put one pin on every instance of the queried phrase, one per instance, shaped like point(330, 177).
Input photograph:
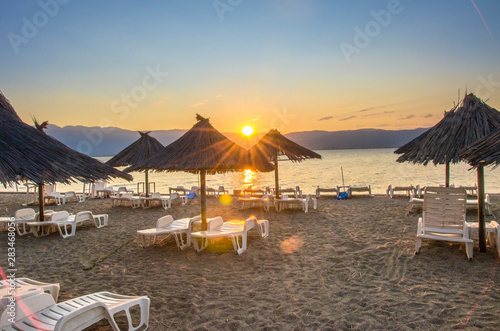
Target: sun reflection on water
point(249, 178)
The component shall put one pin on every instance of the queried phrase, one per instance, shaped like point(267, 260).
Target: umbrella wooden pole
point(203, 193)
point(41, 201)
point(447, 179)
point(146, 182)
point(276, 180)
point(480, 208)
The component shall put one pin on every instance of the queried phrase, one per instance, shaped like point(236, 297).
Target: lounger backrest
point(99, 185)
point(35, 303)
point(156, 195)
point(49, 188)
point(174, 195)
point(83, 216)
point(60, 216)
point(284, 197)
point(215, 222)
point(164, 221)
point(24, 212)
point(70, 194)
point(127, 195)
point(444, 210)
point(249, 223)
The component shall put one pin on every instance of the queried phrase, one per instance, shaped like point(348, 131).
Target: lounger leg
point(23, 231)
point(417, 247)
point(469, 250)
point(100, 220)
point(239, 247)
point(263, 227)
point(179, 239)
point(200, 244)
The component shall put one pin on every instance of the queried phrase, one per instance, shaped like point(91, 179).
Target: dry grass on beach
point(347, 265)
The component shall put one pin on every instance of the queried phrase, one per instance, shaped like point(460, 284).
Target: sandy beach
point(349, 264)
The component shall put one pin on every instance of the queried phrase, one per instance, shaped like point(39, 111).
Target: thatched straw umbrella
point(273, 145)
point(484, 152)
point(136, 153)
point(464, 124)
point(203, 150)
point(29, 154)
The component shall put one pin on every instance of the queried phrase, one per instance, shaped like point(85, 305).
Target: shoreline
point(348, 264)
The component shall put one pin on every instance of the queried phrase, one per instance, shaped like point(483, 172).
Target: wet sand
point(349, 264)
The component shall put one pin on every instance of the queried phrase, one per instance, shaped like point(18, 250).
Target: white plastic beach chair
point(166, 225)
point(443, 217)
point(42, 313)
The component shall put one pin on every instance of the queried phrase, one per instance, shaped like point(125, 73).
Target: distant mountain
point(96, 141)
point(353, 139)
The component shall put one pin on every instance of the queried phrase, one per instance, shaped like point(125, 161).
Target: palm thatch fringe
point(485, 151)
point(26, 153)
point(460, 127)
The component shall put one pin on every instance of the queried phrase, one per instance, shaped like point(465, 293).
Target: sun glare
point(247, 130)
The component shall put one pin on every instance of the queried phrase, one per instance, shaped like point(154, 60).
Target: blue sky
point(287, 64)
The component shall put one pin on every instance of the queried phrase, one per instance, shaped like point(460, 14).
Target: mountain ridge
point(97, 141)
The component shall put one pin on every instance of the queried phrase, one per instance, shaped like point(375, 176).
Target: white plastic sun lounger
point(165, 226)
point(61, 197)
point(167, 203)
point(391, 190)
point(236, 230)
point(126, 198)
point(66, 223)
point(43, 313)
point(250, 201)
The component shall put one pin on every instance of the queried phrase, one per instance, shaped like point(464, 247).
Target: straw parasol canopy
point(464, 124)
point(273, 145)
point(203, 150)
point(29, 154)
point(136, 153)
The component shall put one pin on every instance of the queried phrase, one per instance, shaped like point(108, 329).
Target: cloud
point(428, 116)
point(367, 109)
point(201, 103)
point(388, 112)
point(325, 118)
point(407, 117)
point(347, 118)
point(255, 119)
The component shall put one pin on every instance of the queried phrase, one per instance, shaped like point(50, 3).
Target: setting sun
point(247, 130)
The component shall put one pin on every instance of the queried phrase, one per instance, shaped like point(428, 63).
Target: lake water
point(375, 167)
